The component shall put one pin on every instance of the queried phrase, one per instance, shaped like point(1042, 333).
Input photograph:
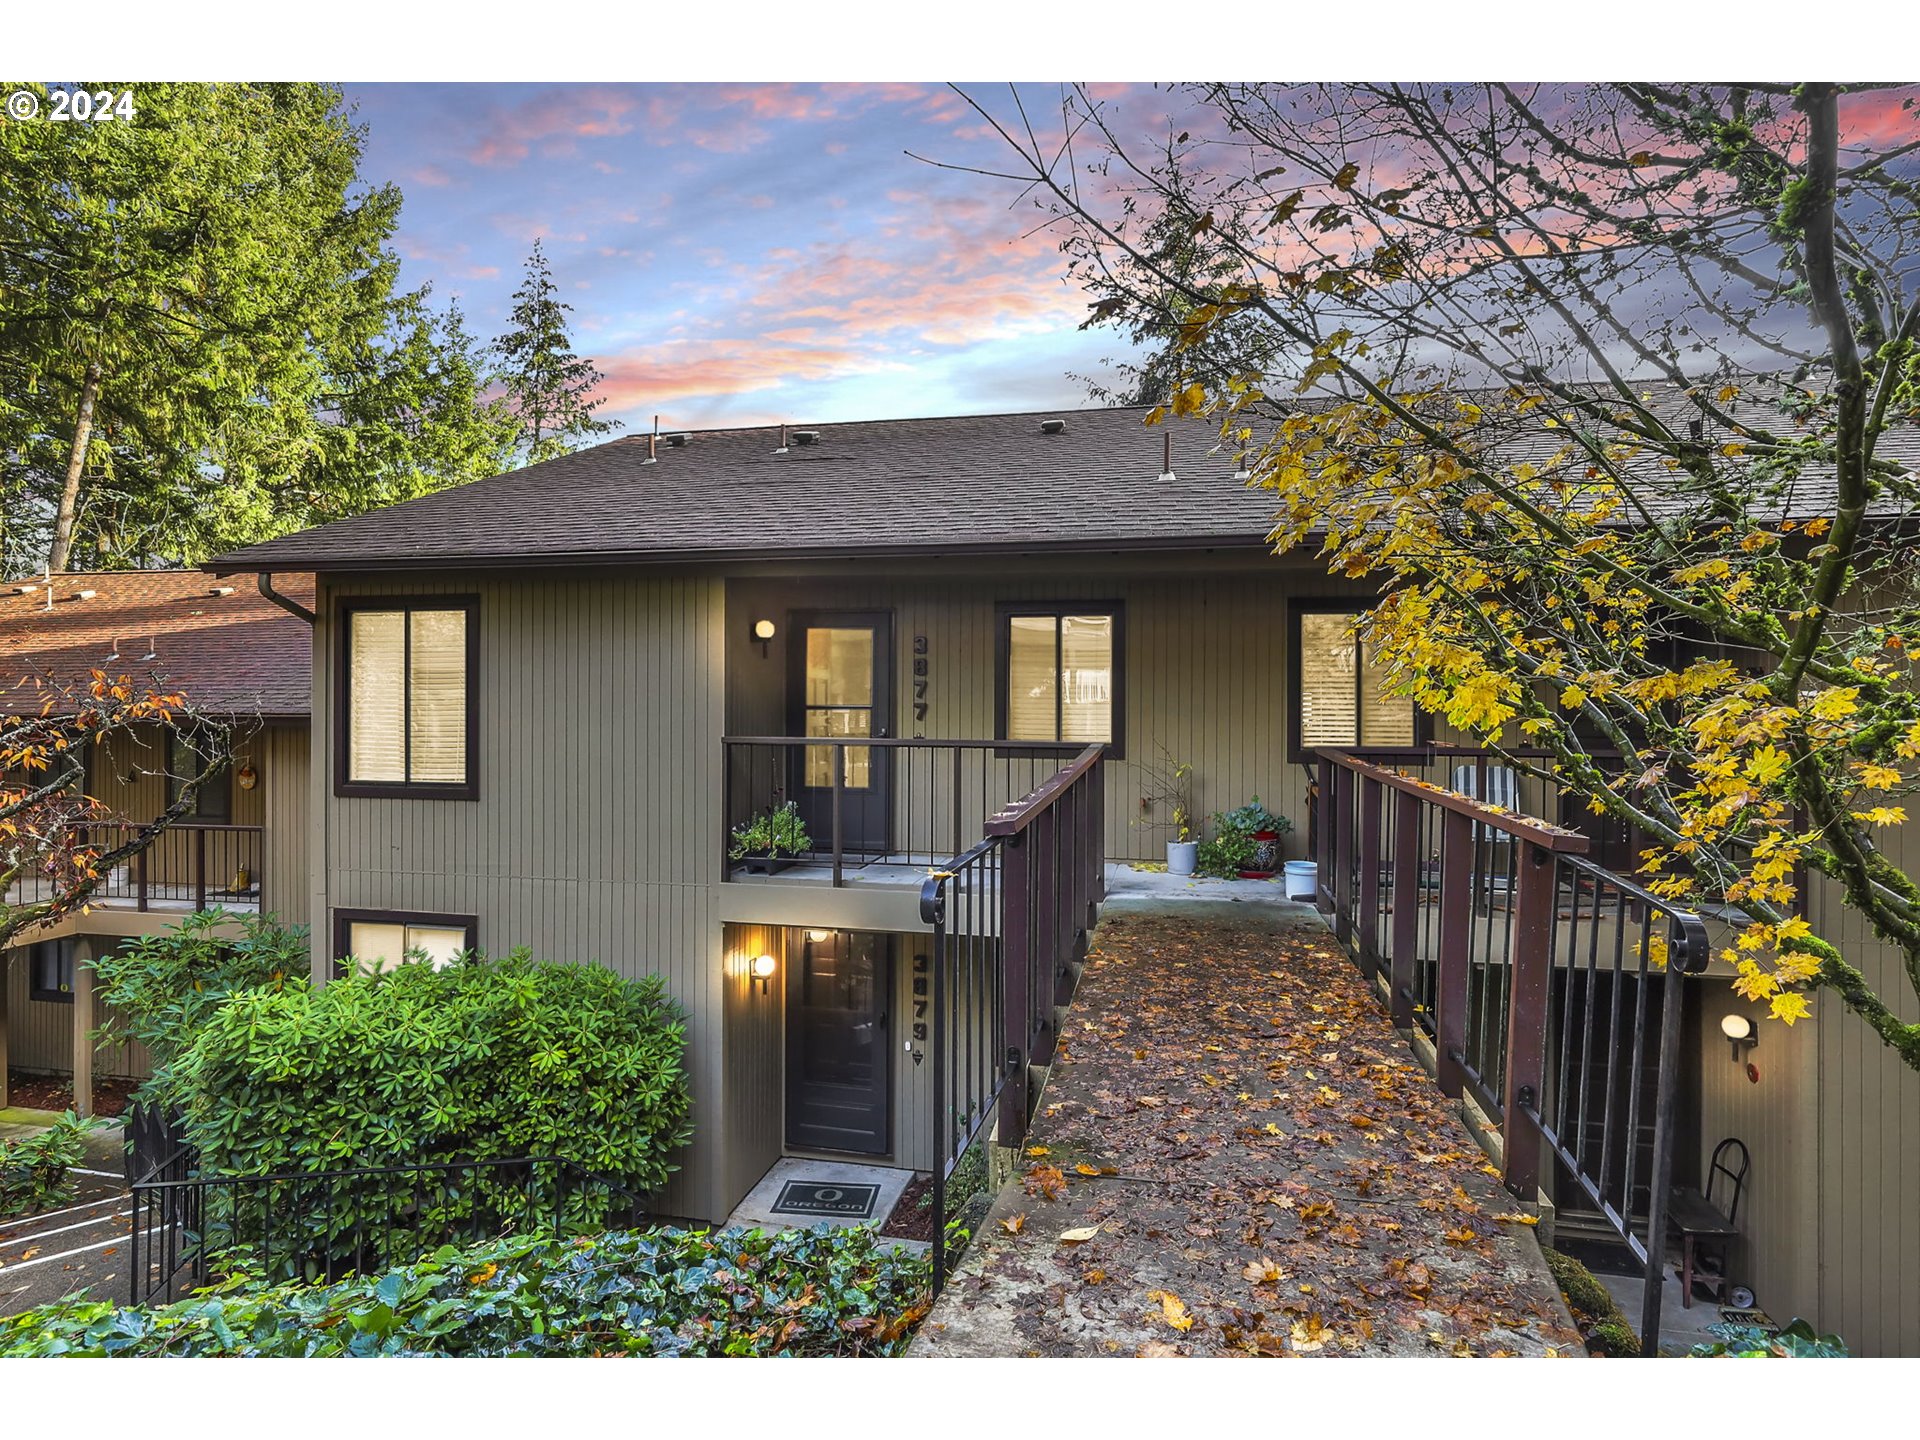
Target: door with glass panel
point(837, 1050)
point(840, 686)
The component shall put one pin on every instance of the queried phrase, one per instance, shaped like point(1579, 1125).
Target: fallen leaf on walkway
point(1463, 1236)
point(1310, 1334)
point(1046, 1180)
point(1036, 1151)
point(1079, 1235)
point(1014, 1224)
point(1172, 1309)
point(1158, 1350)
point(1519, 1219)
point(1264, 1272)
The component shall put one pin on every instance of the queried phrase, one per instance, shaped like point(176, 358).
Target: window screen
point(1343, 692)
point(408, 701)
point(1060, 681)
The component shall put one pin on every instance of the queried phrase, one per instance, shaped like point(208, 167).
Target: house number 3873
point(919, 687)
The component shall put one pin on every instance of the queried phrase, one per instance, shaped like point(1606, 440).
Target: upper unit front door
point(840, 685)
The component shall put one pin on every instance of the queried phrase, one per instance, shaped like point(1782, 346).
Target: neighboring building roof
point(939, 486)
point(949, 486)
point(226, 647)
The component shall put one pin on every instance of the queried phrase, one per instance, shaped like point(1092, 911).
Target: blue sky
point(744, 253)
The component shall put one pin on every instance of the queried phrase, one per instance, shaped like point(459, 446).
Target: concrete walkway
point(1236, 1155)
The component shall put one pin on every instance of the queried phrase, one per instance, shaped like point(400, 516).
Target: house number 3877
point(919, 687)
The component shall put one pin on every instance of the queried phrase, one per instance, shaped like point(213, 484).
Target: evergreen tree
point(549, 389)
point(197, 307)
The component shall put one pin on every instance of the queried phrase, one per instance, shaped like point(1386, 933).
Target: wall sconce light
point(763, 632)
point(1740, 1034)
point(819, 937)
point(762, 968)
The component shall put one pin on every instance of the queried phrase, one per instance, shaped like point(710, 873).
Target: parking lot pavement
point(80, 1246)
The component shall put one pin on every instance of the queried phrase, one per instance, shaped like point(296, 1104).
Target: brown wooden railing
point(188, 865)
point(884, 801)
point(1010, 921)
point(1549, 988)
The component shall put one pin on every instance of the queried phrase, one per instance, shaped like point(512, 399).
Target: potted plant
point(1170, 784)
point(1265, 829)
point(1227, 855)
point(765, 840)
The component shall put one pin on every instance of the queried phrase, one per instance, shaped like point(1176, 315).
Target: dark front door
point(840, 685)
point(837, 1050)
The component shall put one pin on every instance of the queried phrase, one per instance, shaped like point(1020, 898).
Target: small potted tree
point(769, 840)
point(1170, 785)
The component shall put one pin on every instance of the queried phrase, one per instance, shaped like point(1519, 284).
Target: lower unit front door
point(838, 1057)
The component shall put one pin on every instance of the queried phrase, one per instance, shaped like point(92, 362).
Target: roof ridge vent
point(220, 589)
point(806, 437)
point(677, 438)
point(1053, 427)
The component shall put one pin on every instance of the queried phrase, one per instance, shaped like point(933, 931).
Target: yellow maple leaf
point(1172, 1309)
point(1790, 1006)
point(1310, 1334)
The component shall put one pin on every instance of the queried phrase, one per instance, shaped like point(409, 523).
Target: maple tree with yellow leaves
point(1601, 386)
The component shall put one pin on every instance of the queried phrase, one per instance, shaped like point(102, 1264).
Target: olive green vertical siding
point(754, 1058)
point(1867, 1218)
point(40, 1032)
point(595, 835)
point(284, 798)
point(1777, 1119)
point(1205, 673)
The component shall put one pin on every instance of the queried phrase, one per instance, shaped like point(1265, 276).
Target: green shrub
point(484, 1059)
point(1795, 1340)
point(35, 1173)
point(1606, 1329)
point(162, 988)
point(1226, 855)
point(664, 1292)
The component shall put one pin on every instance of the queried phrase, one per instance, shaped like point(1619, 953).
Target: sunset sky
point(746, 253)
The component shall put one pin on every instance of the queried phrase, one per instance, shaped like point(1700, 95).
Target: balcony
point(878, 813)
point(189, 866)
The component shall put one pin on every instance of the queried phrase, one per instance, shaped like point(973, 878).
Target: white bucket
point(1302, 879)
point(1182, 855)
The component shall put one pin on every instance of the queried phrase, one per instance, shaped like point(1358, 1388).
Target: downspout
point(286, 603)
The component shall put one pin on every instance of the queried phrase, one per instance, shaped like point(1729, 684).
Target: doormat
point(826, 1197)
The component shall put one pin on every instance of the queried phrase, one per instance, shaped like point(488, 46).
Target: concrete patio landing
point(1236, 1155)
point(841, 1182)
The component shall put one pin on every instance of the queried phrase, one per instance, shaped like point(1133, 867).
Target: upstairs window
point(213, 801)
point(1340, 692)
point(406, 719)
point(1060, 670)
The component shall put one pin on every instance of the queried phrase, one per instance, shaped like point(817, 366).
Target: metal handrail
point(1495, 953)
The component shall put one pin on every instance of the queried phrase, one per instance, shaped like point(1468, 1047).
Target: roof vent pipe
point(1166, 457)
point(783, 441)
point(1240, 470)
point(1053, 427)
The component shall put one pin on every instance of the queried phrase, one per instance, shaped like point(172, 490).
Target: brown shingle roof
point(967, 482)
point(234, 654)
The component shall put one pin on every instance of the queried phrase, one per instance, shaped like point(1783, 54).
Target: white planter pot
point(1182, 856)
point(1303, 879)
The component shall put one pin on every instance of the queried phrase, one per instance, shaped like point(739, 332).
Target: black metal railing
point(189, 865)
point(1010, 922)
point(1550, 987)
point(190, 1229)
point(869, 801)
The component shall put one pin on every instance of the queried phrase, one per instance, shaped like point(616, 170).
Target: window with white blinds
point(407, 702)
point(1342, 690)
point(1060, 679)
point(376, 945)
